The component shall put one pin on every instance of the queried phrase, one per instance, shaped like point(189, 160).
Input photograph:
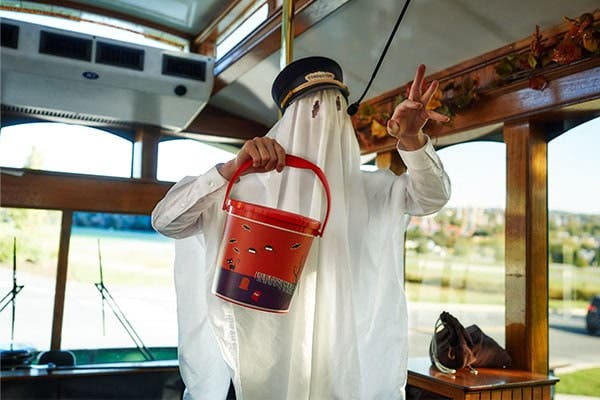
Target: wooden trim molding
point(526, 246)
point(61, 279)
point(214, 121)
point(56, 191)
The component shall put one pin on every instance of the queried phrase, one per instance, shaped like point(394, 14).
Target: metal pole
point(287, 33)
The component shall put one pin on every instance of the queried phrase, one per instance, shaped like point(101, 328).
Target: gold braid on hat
point(314, 78)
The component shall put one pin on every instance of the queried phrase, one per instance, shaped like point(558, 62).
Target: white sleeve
point(428, 187)
point(179, 213)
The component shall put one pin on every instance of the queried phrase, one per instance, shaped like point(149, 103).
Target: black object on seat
point(60, 358)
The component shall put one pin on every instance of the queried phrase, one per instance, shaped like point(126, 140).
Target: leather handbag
point(454, 347)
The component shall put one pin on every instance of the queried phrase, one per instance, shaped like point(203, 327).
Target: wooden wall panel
point(526, 247)
point(34, 189)
point(61, 279)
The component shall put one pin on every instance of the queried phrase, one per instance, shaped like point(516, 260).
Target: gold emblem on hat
point(319, 76)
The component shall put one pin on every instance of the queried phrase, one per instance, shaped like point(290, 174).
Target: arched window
point(62, 147)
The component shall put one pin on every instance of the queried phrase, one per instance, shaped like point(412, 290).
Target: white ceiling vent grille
point(54, 73)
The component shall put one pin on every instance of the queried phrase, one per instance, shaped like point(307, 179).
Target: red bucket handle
point(292, 161)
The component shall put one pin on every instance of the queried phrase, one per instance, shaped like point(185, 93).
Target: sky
point(573, 171)
point(476, 170)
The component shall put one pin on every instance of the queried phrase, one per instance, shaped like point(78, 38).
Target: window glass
point(120, 291)
point(182, 157)
point(574, 256)
point(243, 30)
point(455, 258)
point(65, 148)
point(35, 235)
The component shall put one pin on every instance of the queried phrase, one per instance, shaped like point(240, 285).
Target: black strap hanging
point(353, 108)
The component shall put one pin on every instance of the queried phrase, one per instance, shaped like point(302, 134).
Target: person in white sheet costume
point(345, 336)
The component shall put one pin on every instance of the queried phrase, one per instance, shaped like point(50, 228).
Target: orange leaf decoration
point(435, 101)
point(538, 82)
point(378, 130)
point(566, 52)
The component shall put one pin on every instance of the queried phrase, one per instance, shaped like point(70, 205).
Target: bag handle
point(292, 161)
point(441, 323)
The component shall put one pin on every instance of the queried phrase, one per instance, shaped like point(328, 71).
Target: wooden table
point(488, 384)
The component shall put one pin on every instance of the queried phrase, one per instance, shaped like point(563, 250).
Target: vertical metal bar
point(287, 33)
point(61, 279)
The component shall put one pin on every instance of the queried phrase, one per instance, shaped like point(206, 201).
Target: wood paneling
point(488, 384)
point(526, 246)
point(43, 190)
point(61, 279)
point(145, 153)
point(216, 122)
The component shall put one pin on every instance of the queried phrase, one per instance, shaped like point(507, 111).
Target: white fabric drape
point(345, 336)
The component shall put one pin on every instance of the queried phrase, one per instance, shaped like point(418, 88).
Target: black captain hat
point(304, 76)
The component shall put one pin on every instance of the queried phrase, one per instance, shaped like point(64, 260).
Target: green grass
point(585, 382)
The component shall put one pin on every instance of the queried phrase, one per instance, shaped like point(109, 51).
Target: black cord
point(353, 108)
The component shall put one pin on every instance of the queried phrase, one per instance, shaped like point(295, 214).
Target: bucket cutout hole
point(251, 250)
point(295, 246)
point(236, 250)
point(268, 248)
point(246, 227)
point(232, 240)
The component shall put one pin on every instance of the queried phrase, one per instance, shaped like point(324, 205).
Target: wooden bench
point(488, 384)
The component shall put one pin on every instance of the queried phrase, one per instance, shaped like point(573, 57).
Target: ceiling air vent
point(119, 83)
point(10, 36)
point(119, 56)
point(184, 68)
point(65, 46)
point(62, 116)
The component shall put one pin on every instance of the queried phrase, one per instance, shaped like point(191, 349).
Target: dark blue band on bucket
point(251, 293)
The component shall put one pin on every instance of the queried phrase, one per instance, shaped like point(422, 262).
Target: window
point(34, 234)
point(455, 258)
point(254, 19)
point(180, 157)
point(120, 291)
point(65, 148)
point(574, 248)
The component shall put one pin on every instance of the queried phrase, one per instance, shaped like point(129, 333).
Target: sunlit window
point(243, 30)
point(182, 157)
point(455, 258)
point(28, 258)
point(574, 256)
point(65, 148)
point(117, 297)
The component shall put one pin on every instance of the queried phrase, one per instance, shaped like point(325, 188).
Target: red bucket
point(264, 249)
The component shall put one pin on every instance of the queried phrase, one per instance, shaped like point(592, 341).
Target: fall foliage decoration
point(580, 41)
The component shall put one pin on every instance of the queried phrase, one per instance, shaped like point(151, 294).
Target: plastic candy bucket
point(264, 249)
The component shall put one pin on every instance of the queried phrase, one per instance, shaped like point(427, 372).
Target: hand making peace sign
point(411, 115)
